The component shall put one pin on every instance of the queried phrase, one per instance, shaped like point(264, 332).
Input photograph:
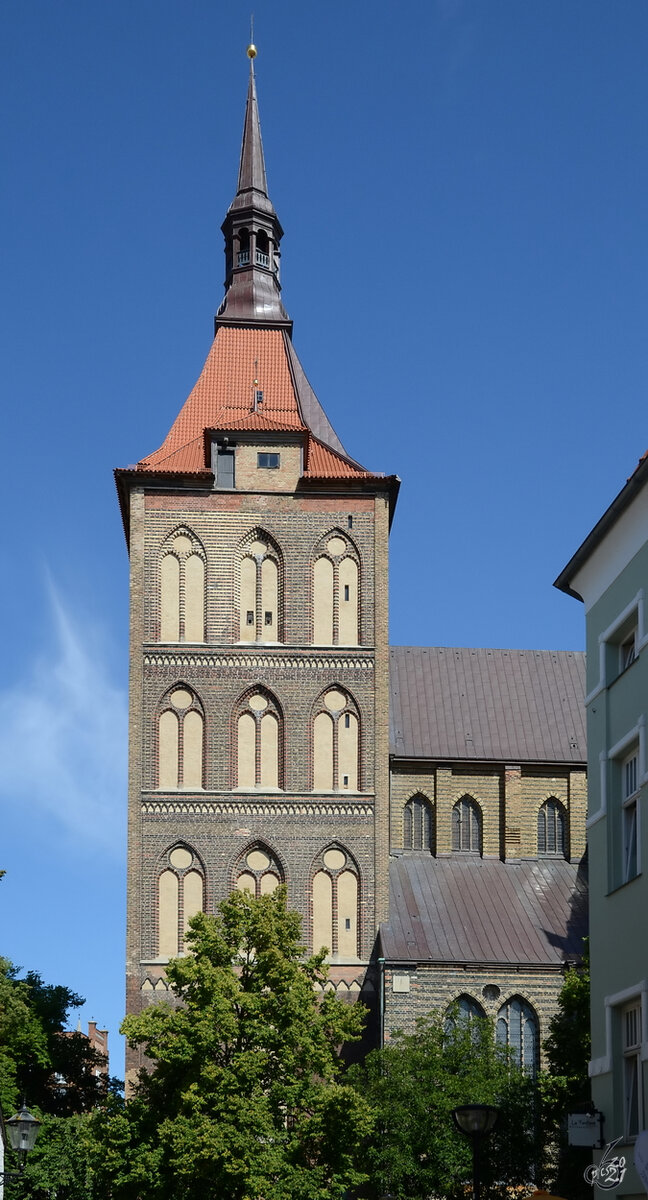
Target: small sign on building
point(585, 1129)
point(400, 983)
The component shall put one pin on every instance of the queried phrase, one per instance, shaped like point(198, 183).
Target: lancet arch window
point(260, 590)
point(467, 826)
point(464, 1011)
point(336, 743)
point(335, 900)
point(259, 726)
point(517, 1028)
point(552, 828)
point(259, 871)
point(182, 588)
point(336, 592)
point(180, 895)
point(418, 824)
point(180, 740)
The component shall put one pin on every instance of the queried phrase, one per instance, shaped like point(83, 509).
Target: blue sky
point(463, 188)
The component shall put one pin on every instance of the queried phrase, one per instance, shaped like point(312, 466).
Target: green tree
point(22, 1037)
point(243, 1098)
point(565, 1084)
point(416, 1081)
point(55, 1069)
point(58, 1164)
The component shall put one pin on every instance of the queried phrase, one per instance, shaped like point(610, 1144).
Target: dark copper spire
point(252, 234)
point(252, 172)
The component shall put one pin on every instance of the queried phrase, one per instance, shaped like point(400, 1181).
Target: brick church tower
point(258, 637)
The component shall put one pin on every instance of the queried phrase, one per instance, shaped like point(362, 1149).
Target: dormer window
point(268, 462)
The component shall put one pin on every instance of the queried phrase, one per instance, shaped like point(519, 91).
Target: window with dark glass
point(268, 462)
point(551, 828)
point(466, 826)
point(418, 826)
point(517, 1029)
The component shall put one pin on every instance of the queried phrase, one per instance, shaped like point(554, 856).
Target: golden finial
point(252, 50)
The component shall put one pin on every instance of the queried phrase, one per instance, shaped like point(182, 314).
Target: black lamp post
point(475, 1121)
point(22, 1131)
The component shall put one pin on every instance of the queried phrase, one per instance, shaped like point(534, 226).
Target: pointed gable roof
point(223, 400)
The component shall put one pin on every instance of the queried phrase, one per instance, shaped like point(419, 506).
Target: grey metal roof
point(468, 909)
point(506, 705)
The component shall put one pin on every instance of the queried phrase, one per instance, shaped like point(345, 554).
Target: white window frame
point(613, 1003)
point(610, 635)
point(618, 753)
point(630, 816)
point(632, 1068)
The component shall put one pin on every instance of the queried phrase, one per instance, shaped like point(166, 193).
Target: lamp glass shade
point(23, 1130)
point(475, 1120)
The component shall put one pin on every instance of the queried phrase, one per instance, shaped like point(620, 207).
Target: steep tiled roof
point(506, 705)
point(324, 463)
point(223, 398)
point(464, 909)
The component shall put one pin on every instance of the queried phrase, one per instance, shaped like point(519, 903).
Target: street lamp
point(22, 1130)
point(475, 1121)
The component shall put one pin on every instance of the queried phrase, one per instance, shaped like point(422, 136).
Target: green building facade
point(609, 573)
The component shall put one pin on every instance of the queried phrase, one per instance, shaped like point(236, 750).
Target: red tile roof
point(324, 463)
point(224, 397)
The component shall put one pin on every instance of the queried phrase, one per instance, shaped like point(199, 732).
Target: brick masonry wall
point(219, 822)
point(509, 797)
point(433, 989)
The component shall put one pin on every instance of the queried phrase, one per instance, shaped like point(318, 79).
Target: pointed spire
point(252, 172)
point(252, 234)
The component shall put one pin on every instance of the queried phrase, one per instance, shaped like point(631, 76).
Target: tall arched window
point(418, 825)
point(335, 903)
point(336, 592)
point(336, 743)
point(517, 1029)
point(182, 589)
point(463, 1011)
point(551, 828)
point(260, 590)
point(180, 740)
point(259, 872)
point(466, 826)
point(260, 753)
point(180, 897)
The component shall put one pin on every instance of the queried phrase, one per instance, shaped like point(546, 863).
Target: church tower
point(258, 637)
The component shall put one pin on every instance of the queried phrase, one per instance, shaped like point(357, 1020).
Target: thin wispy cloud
point(63, 730)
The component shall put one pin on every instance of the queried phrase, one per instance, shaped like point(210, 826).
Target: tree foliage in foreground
point(52, 1067)
point(565, 1085)
point(415, 1082)
point(243, 1098)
